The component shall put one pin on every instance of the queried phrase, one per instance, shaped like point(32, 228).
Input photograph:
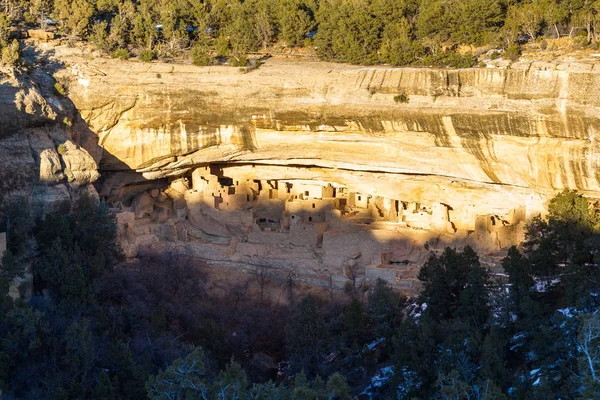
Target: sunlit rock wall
point(532, 126)
point(467, 159)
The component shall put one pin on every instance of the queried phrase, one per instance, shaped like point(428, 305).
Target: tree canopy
point(397, 32)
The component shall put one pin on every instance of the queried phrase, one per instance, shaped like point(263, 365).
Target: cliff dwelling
point(305, 180)
point(242, 216)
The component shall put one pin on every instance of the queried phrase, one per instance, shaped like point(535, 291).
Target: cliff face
point(38, 157)
point(328, 169)
point(530, 126)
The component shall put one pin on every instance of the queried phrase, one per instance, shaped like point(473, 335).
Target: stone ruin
point(320, 230)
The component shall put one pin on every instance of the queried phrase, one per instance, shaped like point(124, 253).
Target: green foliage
point(75, 16)
point(306, 333)
point(72, 259)
point(513, 52)
point(187, 378)
point(184, 379)
point(200, 55)
point(16, 220)
point(396, 32)
point(146, 55)
point(448, 59)
point(401, 98)
point(61, 149)
point(588, 344)
point(121, 54)
point(398, 45)
point(562, 237)
point(4, 29)
point(354, 322)
point(60, 89)
point(348, 32)
point(460, 21)
point(520, 277)
point(232, 383)
point(384, 309)
point(453, 285)
point(11, 54)
point(296, 20)
point(99, 35)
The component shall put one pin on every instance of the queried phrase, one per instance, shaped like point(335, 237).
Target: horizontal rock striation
point(331, 170)
point(531, 126)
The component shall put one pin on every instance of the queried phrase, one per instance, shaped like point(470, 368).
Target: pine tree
point(305, 336)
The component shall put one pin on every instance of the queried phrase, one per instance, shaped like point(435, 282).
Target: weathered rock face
point(530, 126)
point(38, 156)
point(463, 157)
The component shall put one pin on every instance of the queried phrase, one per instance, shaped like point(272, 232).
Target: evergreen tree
point(305, 335)
point(445, 277)
point(296, 20)
point(75, 16)
point(184, 379)
point(355, 325)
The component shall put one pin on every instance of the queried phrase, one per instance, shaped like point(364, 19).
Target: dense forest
point(99, 328)
point(396, 32)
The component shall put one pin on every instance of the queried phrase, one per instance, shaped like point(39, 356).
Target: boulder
point(50, 167)
point(143, 205)
point(80, 167)
point(161, 196)
point(41, 34)
point(179, 185)
point(209, 225)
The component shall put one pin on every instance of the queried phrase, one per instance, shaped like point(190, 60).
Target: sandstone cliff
point(38, 157)
point(321, 168)
point(531, 126)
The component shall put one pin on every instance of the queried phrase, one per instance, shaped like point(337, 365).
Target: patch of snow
point(84, 82)
point(516, 346)
point(374, 344)
point(535, 371)
point(541, 286)
point(567, 312)
point(382, 377)
point(517, 337)
point(410, 383)
point(537, 382)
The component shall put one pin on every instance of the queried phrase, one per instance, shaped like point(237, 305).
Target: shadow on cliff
point(19, 110)
point(37, 118)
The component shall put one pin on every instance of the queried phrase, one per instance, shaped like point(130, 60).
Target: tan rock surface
point(471, 156)
point(531, 126)
point(38, 156)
